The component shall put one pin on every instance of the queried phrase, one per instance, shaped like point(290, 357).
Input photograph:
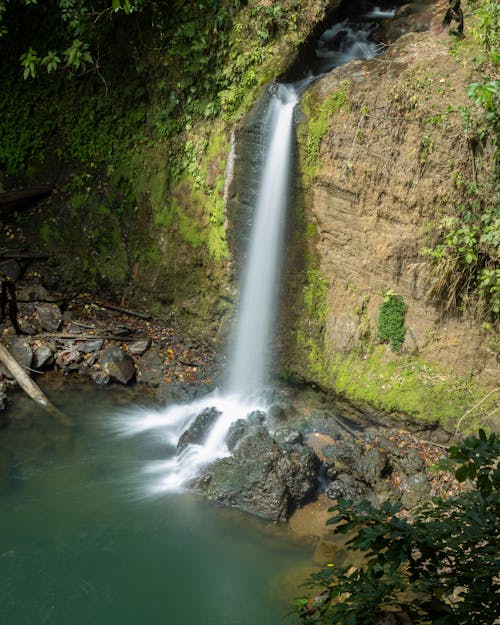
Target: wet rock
point(49, 317)
point(150, 368)
point(100, 377)
point(198, 431)
point(138, 348)
point(415, 489)
point(373, 466)
point(240, 428)
point(43, 357)
point(261, 477)
point(117, 364)
point(88, 347)
point(170, 392)
point(237, 430)
point(288, 436)
point(347, 487)
point(20, 350)
point(277, 413)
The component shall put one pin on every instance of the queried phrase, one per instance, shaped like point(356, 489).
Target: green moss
point(406, 384)
point(391, 320)
point(313, 130)
point(315, 294)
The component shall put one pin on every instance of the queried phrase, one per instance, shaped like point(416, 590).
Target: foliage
point(465, 259)
point(76, 23)
point(315, 295)
point(391, 320)
point(487, 30)
point(439, 569)
point(318, 120)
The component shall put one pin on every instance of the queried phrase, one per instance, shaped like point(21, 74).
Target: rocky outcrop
point(385, 170)
point(262, 476)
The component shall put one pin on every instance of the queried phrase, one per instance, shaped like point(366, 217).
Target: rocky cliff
point(382, 155)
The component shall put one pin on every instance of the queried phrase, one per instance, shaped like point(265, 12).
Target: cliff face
point(383, 155)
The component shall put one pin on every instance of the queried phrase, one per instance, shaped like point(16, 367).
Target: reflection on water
point(77, 545)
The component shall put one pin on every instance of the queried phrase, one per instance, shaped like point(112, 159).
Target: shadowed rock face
point(262, 477)
point(198, 431)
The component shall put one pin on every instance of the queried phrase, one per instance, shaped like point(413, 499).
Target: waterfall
point(249, 363)
point(250, 360)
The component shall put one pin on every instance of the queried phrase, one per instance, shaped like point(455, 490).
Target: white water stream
point(250, 360)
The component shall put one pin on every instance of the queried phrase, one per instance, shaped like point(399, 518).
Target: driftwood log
point(30, 388)
point(25, 198)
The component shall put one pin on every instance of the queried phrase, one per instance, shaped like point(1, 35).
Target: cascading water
point(249, 365)
point(248, 369)
point(250, 361)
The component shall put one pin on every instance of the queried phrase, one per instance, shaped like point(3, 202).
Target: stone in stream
point(261, 478)
point(48, 316)
point(89, 347)
point(43, 357)
point(117, 364)
point(21, 351)
point(198, 431)
point(138, 348)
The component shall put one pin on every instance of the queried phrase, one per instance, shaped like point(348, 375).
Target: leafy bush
point(391, 320)
point(440, 569)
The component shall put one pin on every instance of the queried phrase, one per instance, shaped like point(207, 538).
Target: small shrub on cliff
point(391, 320)
point(440, 569)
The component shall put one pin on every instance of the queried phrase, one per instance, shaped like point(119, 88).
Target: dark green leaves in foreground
point(442, 568)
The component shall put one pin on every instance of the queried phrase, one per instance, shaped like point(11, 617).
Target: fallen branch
point(125, 311)
point(30, 388)
point(87, 337)
point(12, 254)
point(476, 405)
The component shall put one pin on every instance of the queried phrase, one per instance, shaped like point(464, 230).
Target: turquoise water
point(81, 544)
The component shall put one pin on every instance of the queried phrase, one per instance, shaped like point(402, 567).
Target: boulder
point(48, 316)
point(117, 364)
point(138, 348)
point(43, 357)
point(345, 486)
point(89, 347)
point(415, 489)
point(372, 466)
point(261, 478)
point(198, 431)
point(20, 349)
point(150, 368)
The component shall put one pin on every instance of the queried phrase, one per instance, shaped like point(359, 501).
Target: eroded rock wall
point(382, 151)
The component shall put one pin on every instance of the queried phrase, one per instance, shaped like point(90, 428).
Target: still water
point(81, 544)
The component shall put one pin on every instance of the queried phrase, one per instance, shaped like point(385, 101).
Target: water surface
point(81, 544)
